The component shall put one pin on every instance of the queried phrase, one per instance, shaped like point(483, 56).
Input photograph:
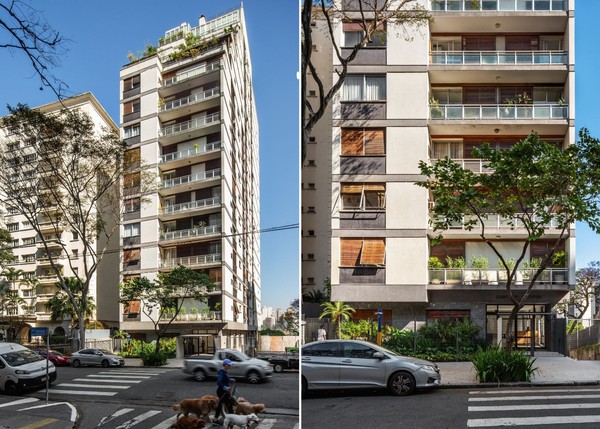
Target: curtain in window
point(453, 150)
point(374, 88)
point(353, 88)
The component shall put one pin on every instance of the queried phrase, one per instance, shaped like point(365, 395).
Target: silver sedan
point(353, 364)
point(101, 357)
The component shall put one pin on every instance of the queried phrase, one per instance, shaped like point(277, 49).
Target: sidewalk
point(553, 370)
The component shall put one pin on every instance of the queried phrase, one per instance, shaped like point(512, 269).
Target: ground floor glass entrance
point(531, 318)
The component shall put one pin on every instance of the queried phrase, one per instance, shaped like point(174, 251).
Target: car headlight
point(22, 371)
point(428, 367)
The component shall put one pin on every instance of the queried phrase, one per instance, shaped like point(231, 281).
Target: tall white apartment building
point(485, 71)
point(36, 280)
point(189, 118)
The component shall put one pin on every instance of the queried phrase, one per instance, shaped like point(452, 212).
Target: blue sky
point(100, 36)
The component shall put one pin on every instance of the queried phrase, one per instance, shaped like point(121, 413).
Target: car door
point(86, 357)
point(321, 364)
point(359, 368)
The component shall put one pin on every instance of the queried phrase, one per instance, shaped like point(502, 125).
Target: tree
point(23, 29)
point(61, 306)
point(289, 319)
point(62, 174)
point(530, 185)
point(578, 301)
point(338, 312)
point(372, 16)
point(161, 300)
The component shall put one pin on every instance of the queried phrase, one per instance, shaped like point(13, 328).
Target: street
point(126, 397)
point(536, 407)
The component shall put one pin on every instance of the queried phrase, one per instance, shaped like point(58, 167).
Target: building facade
point(486, 71)
point(189, 119)
point(31, 277)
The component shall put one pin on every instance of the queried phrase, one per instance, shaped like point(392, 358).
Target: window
point(311, 232)
point(132, 131)
point(310, 280)
point(131, 230)
point(12, 227)
point(26, 224)
point(363, 141)
point(29, 258)
point(367, 196)
point(131, 256)
point(310, 256)
point(358, 351)
point(131, 107)
point(354, 33)
point(75, 236)
point(450, 149)
point(75, 253)
point(28, 241)
point(311, 209)
point(358, 252)
point(448, 95)
point(12, 210)
point(131, 308)
point(15, 243)
point(312, 139)
point(311, 163)
point(30, 158)
point(132, 205)
point(364, 88)
point(131, 157)
point(132, 180)
point(131, 83)
point(323, 348)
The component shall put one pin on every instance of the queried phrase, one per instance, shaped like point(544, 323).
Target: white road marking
point(73, 409)
point(114, 415)
point(531, 421)
point(19, 402)
point(119, 376)
point(94, 386)
point(533, 398)
point(86, 393)
point(108, 381)
point(502, 392)
point(535, 407)
point(138, 419)
point(130, 373)
point(266, 424)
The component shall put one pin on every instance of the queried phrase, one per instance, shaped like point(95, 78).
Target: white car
point(22, 368)
point(353, 364)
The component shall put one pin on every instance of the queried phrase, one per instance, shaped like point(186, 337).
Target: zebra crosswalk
point(540, 407)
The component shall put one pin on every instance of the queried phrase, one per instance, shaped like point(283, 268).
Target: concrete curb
point(520, 384)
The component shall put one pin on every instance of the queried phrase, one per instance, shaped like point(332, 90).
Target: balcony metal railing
point(498, 5)
point(192, 205)
point(498, 111)
point(193, 151)
point(499, 222)
point(496, 276)
point(192, 99)
point(198, 177)
point(188, 233)
point(498, 57)
point(190, 125)
point(192, 261)
point(198, 71)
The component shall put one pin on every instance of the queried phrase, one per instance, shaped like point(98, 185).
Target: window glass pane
point(374, 199)
point(353, 88)
point(375, 88)
point(352, 38)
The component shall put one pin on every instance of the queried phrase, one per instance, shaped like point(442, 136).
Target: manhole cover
point(165, 394)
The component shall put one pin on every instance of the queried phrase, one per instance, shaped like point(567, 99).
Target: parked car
point(353, 364)
point(283, 360)
point(56, 357)
point(21, 368)
point(101, 357)
point(252, 369)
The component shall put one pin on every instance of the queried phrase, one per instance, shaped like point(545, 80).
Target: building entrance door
point(530, 319)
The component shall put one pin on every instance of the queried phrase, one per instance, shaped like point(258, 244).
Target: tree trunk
point(81, 326)
point(512, 320)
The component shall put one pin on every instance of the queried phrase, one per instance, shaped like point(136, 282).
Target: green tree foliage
point(289, 319)
point(532, 183)
point(159, 299)
point(579, 300)
point(337, 311)
point(61, 305)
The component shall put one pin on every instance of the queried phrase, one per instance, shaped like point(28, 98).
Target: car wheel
point(105, 364)
point(11, 388)
point(76, 363)
point(253, 377)
point(278, 367)
point(199, 375)
point(304, 386)
point(402, 383)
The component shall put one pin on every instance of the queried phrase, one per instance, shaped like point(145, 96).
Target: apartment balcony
point(202, 54)
point(499, 58)
point(190, 235)
point(193, 317)
point(54, 243)
point(46, 280)
point(194, 78)
point(189, 182)
point(189, 156)
point(495, 278)
point(181, 292)
point(43, 316)
point(498, 5)
point(50, 226)
point(181, 210)
point(190, 105)
point(194, 128)
point(44, 261)
point(200, 261)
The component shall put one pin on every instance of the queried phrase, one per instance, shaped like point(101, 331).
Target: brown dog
point(187, 422)
point(245, 408)
point(202, 407)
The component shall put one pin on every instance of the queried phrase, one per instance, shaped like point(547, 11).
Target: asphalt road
point(532, 408)
point(142, 397)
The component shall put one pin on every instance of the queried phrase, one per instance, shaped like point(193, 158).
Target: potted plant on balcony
point(193, 313)
point(529, 267)
point(436, 111)
point(480, 265)
point(559, 260)
point(510, 263)
point(182, 315)
point(456, 267)
point(435, 266)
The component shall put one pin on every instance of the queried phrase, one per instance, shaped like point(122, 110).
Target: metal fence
point(586, 333)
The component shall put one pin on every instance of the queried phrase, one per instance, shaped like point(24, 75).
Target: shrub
point(360, 330)
point(497, 365)
point(137, 348)
point(152, 358)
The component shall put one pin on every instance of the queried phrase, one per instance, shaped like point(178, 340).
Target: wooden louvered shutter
point(350, 251)
point(131, 255)
point(351, 189)
point(374, 142)
point(373, 252)
point(352, 142)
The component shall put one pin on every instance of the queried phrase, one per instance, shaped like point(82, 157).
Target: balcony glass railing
point(499, 58)
point(198, 177)
point(496, 276)
point(192, 205)
point(499, 222)
point(193, 151)
point(180, 77)
point(498, 111)
point(498, 5)
point(190, 125)
point(192, 261)
point(189, 233)
point(192, 99)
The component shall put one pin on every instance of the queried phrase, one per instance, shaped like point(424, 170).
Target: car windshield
point(21, 357)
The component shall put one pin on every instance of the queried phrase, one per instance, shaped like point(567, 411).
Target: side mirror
point(378, 355)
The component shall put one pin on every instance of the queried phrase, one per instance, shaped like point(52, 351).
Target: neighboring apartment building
point(189, 119)
point(36, 283)
point(440, 92)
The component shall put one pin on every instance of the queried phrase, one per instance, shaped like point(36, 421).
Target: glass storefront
point(530, 326)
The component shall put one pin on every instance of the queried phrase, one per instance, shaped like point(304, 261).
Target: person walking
point(321, 333)
point(224, 387)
